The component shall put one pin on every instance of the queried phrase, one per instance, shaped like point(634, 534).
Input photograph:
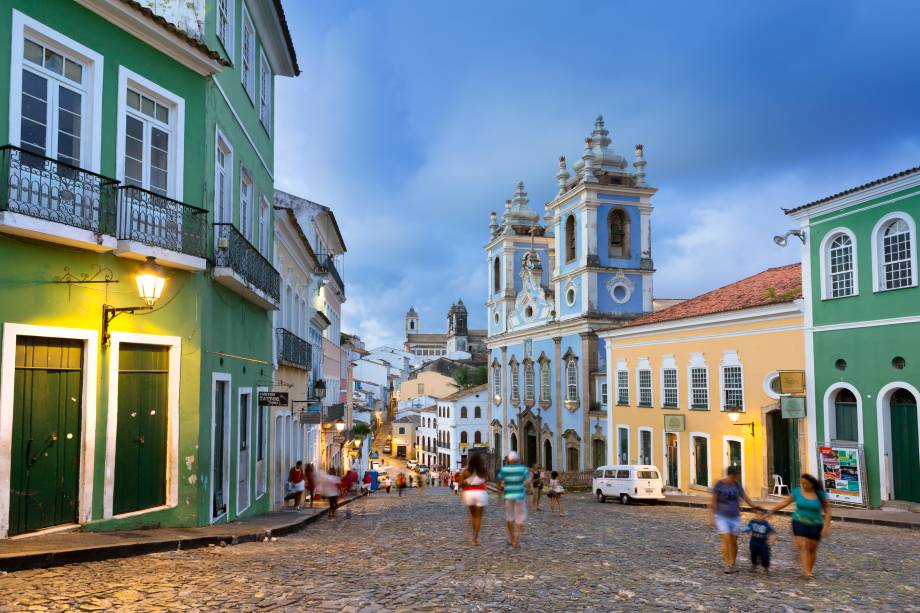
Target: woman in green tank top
point(810, 521)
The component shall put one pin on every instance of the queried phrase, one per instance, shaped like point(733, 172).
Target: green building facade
point(136, 130)
point(862, 328)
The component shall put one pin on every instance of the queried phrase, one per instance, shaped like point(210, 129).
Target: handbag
point(557, 488)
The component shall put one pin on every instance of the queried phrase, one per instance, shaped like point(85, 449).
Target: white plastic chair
point(779, 486)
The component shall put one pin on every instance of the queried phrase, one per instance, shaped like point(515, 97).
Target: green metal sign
point(793, 407)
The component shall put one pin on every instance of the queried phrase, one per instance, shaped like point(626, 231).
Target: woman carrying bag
point(555, 492)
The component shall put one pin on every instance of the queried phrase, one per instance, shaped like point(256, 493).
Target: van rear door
point(648, 483)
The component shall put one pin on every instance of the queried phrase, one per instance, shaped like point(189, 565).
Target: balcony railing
point(329, 266)
point(233, 251)
point(293, 350)
point(158, 221)
point(44, 188)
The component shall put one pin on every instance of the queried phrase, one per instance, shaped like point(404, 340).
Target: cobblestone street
point(411, 554)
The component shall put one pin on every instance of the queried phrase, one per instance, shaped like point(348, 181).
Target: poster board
point(842, 470)
point(792, 381)
point(675, 423)
point(793, 407)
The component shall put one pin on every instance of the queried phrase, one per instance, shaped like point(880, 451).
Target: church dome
point(605, 159)
point(518, 214)
point(411, 312)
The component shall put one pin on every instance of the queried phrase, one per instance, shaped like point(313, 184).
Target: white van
point(627, 482)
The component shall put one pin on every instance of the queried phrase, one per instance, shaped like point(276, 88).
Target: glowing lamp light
point(150, 282)
point(734, 416)
point(339, 425)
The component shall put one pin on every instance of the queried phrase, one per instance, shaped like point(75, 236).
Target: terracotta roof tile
point(772, 286)
point(467, 392)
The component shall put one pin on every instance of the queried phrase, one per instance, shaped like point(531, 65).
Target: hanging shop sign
point(675, 423)
point(273, 399)
point(793, 407)
point(312, 415)
point(842, 471)
point(792, 382)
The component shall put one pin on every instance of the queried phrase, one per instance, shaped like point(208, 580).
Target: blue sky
point(415, 119)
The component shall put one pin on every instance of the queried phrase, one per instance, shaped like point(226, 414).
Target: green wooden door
point(784, 441)
point(905, 461)
point(673, 477)
point(218, 501)
point(701, 460)
point(45, 467)
point(141, 437)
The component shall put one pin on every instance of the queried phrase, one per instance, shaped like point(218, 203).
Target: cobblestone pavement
point(411, 554)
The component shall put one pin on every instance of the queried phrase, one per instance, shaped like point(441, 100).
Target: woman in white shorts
point(474, 480)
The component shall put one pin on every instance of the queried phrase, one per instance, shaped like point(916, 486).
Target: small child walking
point(762, 535)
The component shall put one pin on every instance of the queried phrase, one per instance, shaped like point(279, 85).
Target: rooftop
point(858, 188)
point(772, 286)
point(467, 392)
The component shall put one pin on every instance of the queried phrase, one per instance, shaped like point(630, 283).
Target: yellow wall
point(763, 347)
point(435, 385)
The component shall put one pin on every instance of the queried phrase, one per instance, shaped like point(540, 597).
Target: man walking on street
point(513, 477)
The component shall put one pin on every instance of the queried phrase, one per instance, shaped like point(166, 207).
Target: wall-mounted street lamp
point(782, 239)
point(339, 425)
point(734, 415)
point(150, 283)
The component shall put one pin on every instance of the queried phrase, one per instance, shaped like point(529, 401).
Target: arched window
point(513, 442)
point(839, 267)
point(571, 381)
point(462, 412)
point(896, 255)
point(545, 393)
point(463, 438)
point(570, 238)
point(618, 228)
point(528, 382)
point(497, 383)
point(477, 413)
point(477, 437)
point(845, 416)
point(496, 275)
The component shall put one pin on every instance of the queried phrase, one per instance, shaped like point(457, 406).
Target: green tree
point(466, 377)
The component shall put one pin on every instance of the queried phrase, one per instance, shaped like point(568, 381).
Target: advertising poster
point(842, 474)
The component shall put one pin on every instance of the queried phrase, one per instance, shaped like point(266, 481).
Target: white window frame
point(697, 362)
point(530, 392)
point(176, 105)
point(226, 38)
point(497, 384)
point(571, 389)
point(621, 427)
point(644, 366)
point(515, 381)
point(726, 459)
point(730, 359)
point(228, 379)
point(247, 226)
point(248, 30)
point(692, 450)
point(91, 129)
point(669, 363)
point(240, 392)
point(266, 87)
point(651, 443)
point(767, 385)
point(830, 414)
point(622, 367)
point(602, 394)
point(825, 263)
point(220, 139)
point(878, 257)
point(172, 419)
point(546, 373)
point(264, 226)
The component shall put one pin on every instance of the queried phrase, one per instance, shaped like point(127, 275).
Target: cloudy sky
point(415, 119)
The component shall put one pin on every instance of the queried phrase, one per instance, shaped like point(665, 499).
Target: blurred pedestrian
point(296, 485)
point(810, 521)
point(310, 478)
point(536, 486)
point(400, 483)
point(329, 485)
point(366, 483)
point(514, 478)
point(474, 480)
point(762, 534)
point(387, 483)
point(725, 515)
point(555, 493)
point(455, 483)
point(421, 484)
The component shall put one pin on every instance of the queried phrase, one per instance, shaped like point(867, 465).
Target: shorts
point(728, 525)
point(515, 511)
point(475, 498)
point(809, 531)
point(760, 554)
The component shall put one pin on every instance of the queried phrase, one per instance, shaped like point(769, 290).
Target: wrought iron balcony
point(41, 188)
point(293, 350)
point(240, 267)
point(148, 220)
point(329, 266)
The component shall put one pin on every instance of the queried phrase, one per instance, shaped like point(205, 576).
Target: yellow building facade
point(676, 376)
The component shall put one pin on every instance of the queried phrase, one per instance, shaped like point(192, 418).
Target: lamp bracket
point(109, 313)
point(69, 279)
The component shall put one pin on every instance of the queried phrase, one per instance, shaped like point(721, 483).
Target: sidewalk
point(894, 518)
point(59, 548)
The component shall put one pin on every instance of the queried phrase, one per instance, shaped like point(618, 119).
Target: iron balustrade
point(159, 221)
point(232, 250)
point(44, 188)
point(293, 350)
point(329, 266)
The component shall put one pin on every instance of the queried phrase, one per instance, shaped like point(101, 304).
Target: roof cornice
point(133, 19)
point(270, 22)
point(869, 191)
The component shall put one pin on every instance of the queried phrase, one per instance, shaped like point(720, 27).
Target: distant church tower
point(411, 322)
point(457, 331)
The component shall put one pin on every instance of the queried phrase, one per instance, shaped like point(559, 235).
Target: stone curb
point(889, 523)
point(49, 559)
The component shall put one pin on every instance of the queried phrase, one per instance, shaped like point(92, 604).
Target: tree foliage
point(466, 377)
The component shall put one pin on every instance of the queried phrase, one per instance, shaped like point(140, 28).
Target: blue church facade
point(554, 283)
